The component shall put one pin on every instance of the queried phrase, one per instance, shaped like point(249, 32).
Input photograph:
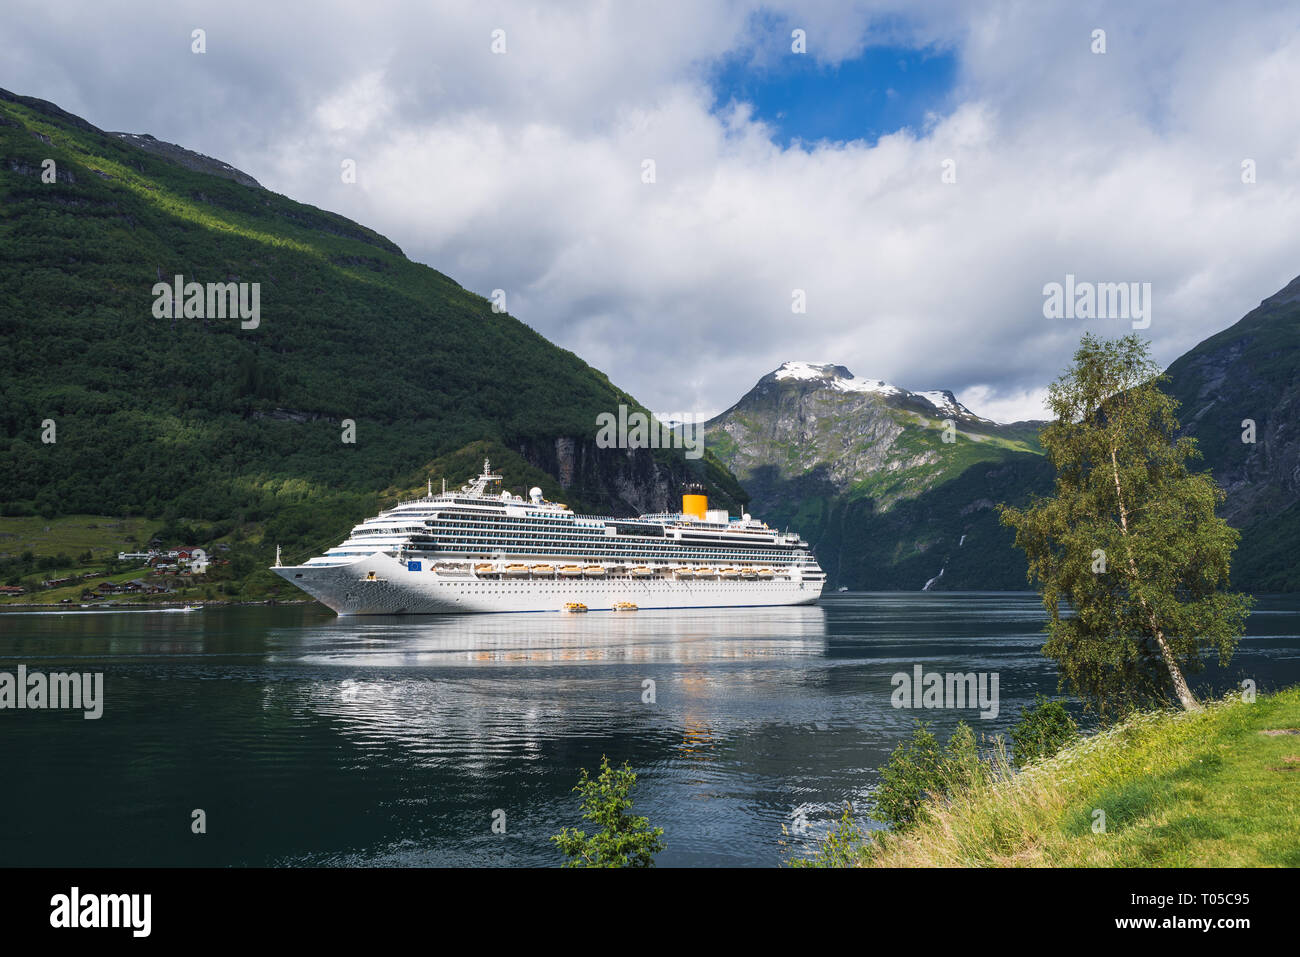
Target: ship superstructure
point(480, 549)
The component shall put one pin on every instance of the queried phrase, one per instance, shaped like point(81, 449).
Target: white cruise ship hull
point(381, 585)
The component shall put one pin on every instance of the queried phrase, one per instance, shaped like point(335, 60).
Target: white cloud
point(523, 171)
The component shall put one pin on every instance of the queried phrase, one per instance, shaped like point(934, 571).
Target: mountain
point(1251, 371)
point(109, 406)
point(855, 466)
point(844, 459)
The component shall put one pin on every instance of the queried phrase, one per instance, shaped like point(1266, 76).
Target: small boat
point(624, 606)
point(842, 588)
point(574, 607)
point(730, 573)
point(485, 569)
point(517, 569)
point(642, 571)
point(543, 569)
point(705, 572)
point(683, 571)
point(594, 571)
point(570, 571)
point(748, 573)
point(766, 573)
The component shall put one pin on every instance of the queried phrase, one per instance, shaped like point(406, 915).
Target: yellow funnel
point(695, 505)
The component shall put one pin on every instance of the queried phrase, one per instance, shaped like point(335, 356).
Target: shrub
point(919, 770)
point(1042, 731)
point(623, 840)
point(913, 772)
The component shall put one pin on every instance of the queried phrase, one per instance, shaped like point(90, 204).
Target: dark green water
point(309, 739)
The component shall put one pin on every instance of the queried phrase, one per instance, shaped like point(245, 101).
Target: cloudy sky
point(774, 170)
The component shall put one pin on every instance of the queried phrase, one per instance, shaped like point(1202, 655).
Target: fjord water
point(312, 740)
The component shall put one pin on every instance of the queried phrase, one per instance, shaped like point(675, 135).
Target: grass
point(71, 535)
point(1203, 789)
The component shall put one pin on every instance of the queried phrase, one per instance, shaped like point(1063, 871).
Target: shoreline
point(197, 605)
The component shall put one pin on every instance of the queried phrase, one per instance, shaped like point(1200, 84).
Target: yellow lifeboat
point(485, 569)
point(766, 573)
point(642, 571)
point(594, 571)
point(729, 572)
point(570, 571)
point(748, 573)
point(624, 606)
point(684, 571)
point(705, 572)
point(543, 569)
point(574, 607)
point(517, 569)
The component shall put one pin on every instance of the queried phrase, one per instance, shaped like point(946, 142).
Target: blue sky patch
point(881, 91)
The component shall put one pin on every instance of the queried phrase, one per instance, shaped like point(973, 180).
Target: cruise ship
point(481, 549)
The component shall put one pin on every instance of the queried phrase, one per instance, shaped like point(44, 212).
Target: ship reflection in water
point(472, 689)
point(650, 635)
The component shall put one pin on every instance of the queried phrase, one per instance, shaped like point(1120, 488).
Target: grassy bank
point(1177, 790)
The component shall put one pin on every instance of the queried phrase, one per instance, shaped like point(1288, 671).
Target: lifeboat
point(748, 573)
point(642, 571)
point(705, 572)
point(729, 572)
point(594, 571)
point(683, 571)
point(543, 569)
point(624, 606)
point(574, 607)
point(766, 573)
point(485, 569)
point(570, 571)
point(517, 569)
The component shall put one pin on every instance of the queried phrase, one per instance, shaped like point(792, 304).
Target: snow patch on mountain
point(842, 380)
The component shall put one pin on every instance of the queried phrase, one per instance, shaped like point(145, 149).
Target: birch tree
point(1130, 543)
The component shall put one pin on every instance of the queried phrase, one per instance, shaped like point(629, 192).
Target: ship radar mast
point(480, 485)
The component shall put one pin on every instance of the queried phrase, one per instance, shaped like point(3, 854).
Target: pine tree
point(1130, 542)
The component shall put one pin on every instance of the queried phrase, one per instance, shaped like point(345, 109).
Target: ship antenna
point(277, 556)
point(430, 488)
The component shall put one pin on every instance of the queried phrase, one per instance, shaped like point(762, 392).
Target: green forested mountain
point(201, 419)
point(1240, 399)
point(874, 476)
point(859, 468)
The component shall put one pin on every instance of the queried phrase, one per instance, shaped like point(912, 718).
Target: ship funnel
point(694, 502)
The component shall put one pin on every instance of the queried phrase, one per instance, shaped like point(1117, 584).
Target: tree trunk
point(1185, 696)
